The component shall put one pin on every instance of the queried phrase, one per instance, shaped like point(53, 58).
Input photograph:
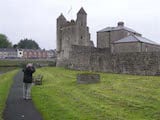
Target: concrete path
point(16, 107)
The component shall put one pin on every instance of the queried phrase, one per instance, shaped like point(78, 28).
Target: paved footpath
point(16, 107)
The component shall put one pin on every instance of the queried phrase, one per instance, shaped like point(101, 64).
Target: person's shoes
point(28, 98)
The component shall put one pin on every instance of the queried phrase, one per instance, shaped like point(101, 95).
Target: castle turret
point(61, 20)
point(83, 32)
point(82, 17)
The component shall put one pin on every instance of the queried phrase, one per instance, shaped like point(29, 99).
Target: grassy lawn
point(116, 97)
point(5, 84)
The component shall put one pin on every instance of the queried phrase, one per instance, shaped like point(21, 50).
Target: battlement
point(69, 23)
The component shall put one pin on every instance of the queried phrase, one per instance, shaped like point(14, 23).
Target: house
point(51, 53)
point(34, 54)
point(19, 53)
point(124, 39)
point(8, 53)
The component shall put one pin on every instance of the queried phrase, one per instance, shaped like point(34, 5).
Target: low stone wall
point(62, 63)
point(96, 59)
point(85, 78)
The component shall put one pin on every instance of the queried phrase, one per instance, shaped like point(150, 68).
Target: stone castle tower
point(71, 33)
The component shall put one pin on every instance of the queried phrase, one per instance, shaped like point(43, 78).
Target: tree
point(4, 42)
point(15, 46)
point(28, 44)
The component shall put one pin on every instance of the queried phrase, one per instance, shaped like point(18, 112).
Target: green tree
point(4, 42)
point(28, 44)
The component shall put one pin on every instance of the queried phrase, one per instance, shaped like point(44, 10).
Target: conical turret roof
point(82, 11)
point(61, 17)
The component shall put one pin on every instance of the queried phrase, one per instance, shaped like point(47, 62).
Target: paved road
point(16, 107)
point(1, 72)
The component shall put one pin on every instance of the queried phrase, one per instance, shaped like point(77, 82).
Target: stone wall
point(136, 63)
point(134, 47)
point(85, 78)
point(150, 47)
point(96, 59)
point(103, 39)
point(126, 47)
point(90, 58)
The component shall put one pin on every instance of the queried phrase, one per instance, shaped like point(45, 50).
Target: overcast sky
point(36, 19)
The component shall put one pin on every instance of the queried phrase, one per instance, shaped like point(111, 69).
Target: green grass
point(116, 97)
point(5, 84)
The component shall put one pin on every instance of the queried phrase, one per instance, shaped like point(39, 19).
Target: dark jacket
point(28, 74)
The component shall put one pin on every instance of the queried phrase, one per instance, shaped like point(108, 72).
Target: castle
point(71, 33)
point(119, 49)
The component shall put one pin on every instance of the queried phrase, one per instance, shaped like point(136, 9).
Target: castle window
point(81, 37)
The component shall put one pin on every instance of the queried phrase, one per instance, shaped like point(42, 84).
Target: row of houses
point(9, 53)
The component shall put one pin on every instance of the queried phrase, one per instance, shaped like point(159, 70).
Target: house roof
point(7, 50)
point(107, 29)
point(120, 26)
point(134, 38)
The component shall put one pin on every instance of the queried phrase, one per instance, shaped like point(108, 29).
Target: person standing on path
point(27, 80)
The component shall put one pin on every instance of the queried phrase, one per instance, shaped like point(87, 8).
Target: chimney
point(120, 24)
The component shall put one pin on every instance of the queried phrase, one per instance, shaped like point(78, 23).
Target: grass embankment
point(116, 97)
point(8, 65)
point(22, 62)
point(5, 84)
